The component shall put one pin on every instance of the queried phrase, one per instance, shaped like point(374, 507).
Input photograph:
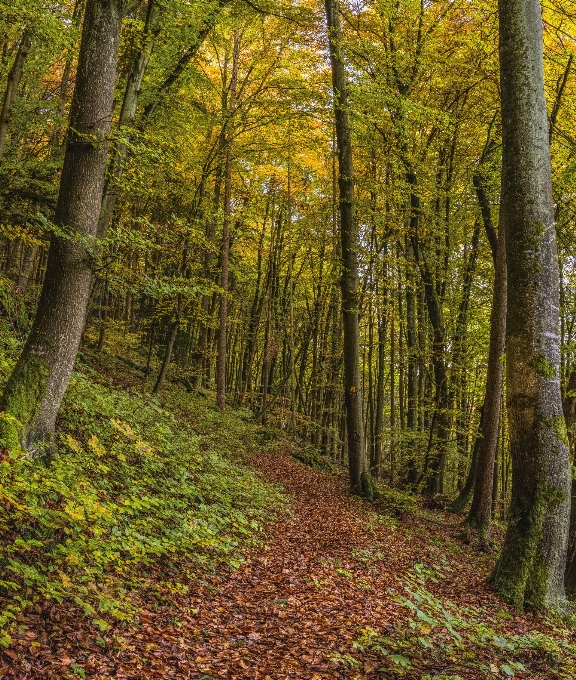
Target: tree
point(530, 571)
point(35, 389)
point(12, 86)
point(480, 516)
point(360, 481)
point(228, 105)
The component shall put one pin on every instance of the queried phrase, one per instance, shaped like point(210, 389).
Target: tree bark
point(530, 571)
point(36, 387)
point(360, 480)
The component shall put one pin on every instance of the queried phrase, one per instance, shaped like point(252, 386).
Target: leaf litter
point(322, 598)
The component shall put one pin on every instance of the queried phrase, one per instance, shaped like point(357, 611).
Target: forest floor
point(329, 587)
point(336, 590)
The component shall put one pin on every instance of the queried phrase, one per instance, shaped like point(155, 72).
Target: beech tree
point(34, 392)
point(360, 481)
point(530, 571)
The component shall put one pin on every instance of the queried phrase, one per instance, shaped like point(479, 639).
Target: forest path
point(327, 572)
point(292, 611)
point(323, 575)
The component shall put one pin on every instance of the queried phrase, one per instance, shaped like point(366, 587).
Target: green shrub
point(130, 485)
point(396, 503)
point(309, 455)
point(437, 633)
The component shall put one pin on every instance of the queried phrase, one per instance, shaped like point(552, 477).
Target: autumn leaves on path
point(329, 568)
point(299, 604)
point(328, 571)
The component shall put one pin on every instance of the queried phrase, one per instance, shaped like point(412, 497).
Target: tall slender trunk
point(376, 463)
point(12, 87)
point(530, 571)
point(436, 463)
point(480, 516)
point(128, 114)
point(360, 481)
point(225, 251)
point(254, 320)
point(57, 135)
point(487, 437)
point(27, 269)
point(461, 501)
point(36, 387)
point(169, 348)
point(214, 10)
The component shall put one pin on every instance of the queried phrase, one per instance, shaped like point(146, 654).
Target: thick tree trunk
point(360, 481)
point(530, 571)
point(36, 387)
point(12, 87)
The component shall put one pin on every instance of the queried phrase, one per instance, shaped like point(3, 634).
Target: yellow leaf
point(72, 443)
point(96, 446)
point(66, 582)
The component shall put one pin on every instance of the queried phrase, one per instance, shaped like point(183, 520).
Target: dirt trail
point(327, 573)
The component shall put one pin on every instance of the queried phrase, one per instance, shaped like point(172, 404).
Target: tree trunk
point(169, 350)
point(208, 23)
point(128, 114)
point(360, 481)
point(36, 387)
point(480, 516)
point(57, 135)
point(530, 571)
point(459, 504)
point(412, 346)
point(223, 312)
point(12, 87)
point(27, 269)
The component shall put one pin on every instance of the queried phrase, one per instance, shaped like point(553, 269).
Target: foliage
point(310, 455)
point(132, 484)
point(396, 503)
point(438, 633)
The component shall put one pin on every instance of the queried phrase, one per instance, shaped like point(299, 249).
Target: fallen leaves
point(291, 611)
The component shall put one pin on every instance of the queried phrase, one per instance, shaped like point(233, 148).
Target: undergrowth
point(437, 633)
point(133, 487)
point(311, 456)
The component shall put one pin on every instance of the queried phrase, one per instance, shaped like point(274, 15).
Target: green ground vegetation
point(134, 484)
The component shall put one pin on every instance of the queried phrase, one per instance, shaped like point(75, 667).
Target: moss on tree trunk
point(530, 571)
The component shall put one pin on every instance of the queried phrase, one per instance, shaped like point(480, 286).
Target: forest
point(288, 339)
